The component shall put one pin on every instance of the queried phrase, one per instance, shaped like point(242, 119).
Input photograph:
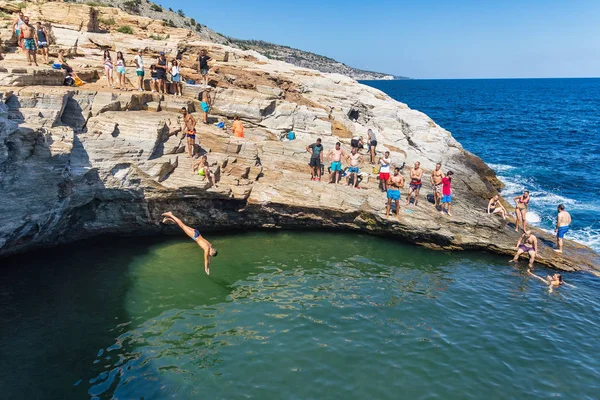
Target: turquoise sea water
point(290, 315)
point(541, 135)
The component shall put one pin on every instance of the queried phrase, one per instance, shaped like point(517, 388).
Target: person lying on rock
point(527, 244)
point(194, 234)
point(189, 123)
point(202, 168)
point(495, 207)
point(416, 175)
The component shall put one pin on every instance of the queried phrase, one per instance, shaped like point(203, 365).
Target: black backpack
point(69, 81)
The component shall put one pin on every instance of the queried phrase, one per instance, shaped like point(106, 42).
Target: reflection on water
point(324, 315)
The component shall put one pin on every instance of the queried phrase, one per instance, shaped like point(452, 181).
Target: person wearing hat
point(161, 72)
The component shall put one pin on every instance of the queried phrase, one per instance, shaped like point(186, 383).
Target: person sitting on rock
point(357, 142)
point(202, 168)
point(496, 207)
point(237, 128)
point(190, 132)
point(527, 244)
point(194, 234)
point(28, 32)
point(64, 65)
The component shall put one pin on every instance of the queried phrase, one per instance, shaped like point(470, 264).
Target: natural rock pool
point(290, 315)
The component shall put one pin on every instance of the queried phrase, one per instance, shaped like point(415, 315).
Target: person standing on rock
point(121, 71)
point(394, 184)
point(28, 32)
point(436, 184)
point(203, 66)
point(41, 38)
point(316, 159)
point(495, 207)
point(139, 69)
point(372, 145)
point(189, 123)
point(563, 221)
point(385, 163)
point(17, 28)
point(416, 176)
point(335, 156)
point(206, 103)
point(355, 161)
point(522, 205)
point(108, 68)
point(194, 234)
point(527, 244)
point(447, 193)
point(176, 78)
point(161, 72)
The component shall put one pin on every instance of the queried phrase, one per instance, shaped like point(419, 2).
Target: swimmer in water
point(553, 281)
point(194, 234)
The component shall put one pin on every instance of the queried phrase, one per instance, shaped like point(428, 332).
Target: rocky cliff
point(80, 162)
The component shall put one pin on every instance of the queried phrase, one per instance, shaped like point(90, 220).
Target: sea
point(541, 135)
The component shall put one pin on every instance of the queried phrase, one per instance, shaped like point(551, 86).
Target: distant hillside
point(171, 18)
point(309, 60)
point(178, 19)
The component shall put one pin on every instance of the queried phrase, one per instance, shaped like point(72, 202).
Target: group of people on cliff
point(391, 179)
point(441, 186)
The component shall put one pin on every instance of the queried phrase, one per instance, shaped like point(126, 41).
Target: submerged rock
point(80, 162)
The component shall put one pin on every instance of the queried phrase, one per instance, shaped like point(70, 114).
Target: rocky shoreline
point(81, 162)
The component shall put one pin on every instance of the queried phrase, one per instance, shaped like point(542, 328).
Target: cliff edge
point(80, 162)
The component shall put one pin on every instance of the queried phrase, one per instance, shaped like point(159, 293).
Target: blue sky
point(423, 39)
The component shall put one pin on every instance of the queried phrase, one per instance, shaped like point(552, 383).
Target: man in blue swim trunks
point(563, 220)
point(335, 156)
point(28, 32)
point(194, 234)
point(354, 168)
point(395, 182)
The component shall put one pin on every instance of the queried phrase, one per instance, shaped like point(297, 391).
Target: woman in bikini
point(553, 281)
point(108, 68)
point(522, 205)
point(495, 207)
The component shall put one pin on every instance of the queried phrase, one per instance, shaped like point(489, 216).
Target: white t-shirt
point(140, 63)
point(385, 165)
point(174, 70)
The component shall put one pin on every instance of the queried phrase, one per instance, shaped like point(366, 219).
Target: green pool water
point(288, 315)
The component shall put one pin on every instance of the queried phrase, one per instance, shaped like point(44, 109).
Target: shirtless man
point(563, 220)
point(28, 32)
point(206, 104)
point(335, 156)
point(356, 161)
point(436, 183)
point(394, 183)
point(495, 207)
point(416, 174)
point(527, 244)
point(209, 251)
point(190, 131)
